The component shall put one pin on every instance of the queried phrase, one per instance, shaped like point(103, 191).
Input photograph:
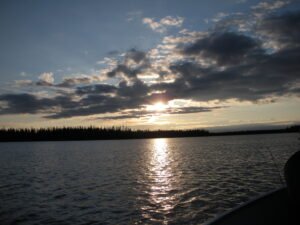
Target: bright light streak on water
point(161, 174)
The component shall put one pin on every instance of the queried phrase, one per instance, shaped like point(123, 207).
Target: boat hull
point(271, 208)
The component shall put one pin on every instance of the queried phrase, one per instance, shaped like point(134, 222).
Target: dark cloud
point(32, 104)
point(21, 103)
point(226, 47)
point(134, 63)
point(136, 56)
point(191, 109)
point(122, 69)
point(283, 29)
point(90, 105)
point(137, 89)
point(251, 73)
point(96, 89)
point(269, 75)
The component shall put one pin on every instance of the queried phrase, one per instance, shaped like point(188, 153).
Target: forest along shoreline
point(116, 133)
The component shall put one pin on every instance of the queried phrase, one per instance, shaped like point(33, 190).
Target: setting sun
point(159, 106)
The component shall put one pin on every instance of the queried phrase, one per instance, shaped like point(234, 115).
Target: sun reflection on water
point(161, 174)
point(160, 156)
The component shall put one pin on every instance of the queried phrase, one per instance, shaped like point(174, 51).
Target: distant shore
point(117, 133)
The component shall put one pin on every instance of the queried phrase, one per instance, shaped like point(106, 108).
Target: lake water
point(149, 181)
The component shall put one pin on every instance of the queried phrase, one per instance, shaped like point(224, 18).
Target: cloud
point(134, 63)
point(220, 16)
point(161, 25)
point(216, 65)
point(96, 89)
point(227, 47)
point(21, 83)
point(135, 56)
point(46, 79)
point(108, 61)
point(246, 22)
point(241, 22)
point(134, 15)
point(267, 76)
point(23, 74)
point(146, 113)
point(266, 7)
point(270, 5)
point(138, 88)
point(172, 21)
point(73, 81)
point(33, 104)
point(281, 31)
point(95, 100)
point(123, 70)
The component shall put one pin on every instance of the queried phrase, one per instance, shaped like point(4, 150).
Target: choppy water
point(151, 181)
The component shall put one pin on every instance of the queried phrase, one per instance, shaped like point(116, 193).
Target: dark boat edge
point(239, 214)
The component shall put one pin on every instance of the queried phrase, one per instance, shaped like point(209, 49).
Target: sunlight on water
point(150, 181)
point(161, 175)
point(160, 157)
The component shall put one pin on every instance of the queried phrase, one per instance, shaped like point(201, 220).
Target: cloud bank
point(259, 63)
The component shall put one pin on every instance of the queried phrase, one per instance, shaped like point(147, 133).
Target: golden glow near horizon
point(158, 109)
point(285, 112)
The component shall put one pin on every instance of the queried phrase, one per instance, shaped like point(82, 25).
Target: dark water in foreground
point(151, 181)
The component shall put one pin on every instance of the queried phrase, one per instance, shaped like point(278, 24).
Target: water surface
point(149, 181)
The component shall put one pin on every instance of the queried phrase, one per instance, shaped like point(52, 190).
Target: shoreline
point(94, 134)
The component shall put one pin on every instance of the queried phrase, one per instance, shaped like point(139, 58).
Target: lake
point(146, 181)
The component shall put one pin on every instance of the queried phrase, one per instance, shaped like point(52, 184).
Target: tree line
point(91, 133)
point(104, 133)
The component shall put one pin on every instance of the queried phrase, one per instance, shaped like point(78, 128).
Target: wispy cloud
point(21, 83)
point(23, 74)
point(134, 15)
point(270, 5)
point(162, 24)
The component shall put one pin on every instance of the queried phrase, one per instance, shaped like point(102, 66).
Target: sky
point(159, 64)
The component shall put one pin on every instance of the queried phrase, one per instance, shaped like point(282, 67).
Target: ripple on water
point(154, 181)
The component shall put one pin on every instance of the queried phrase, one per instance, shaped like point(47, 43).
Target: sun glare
point(159, 106)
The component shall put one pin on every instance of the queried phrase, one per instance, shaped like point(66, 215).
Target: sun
point(158, 106)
